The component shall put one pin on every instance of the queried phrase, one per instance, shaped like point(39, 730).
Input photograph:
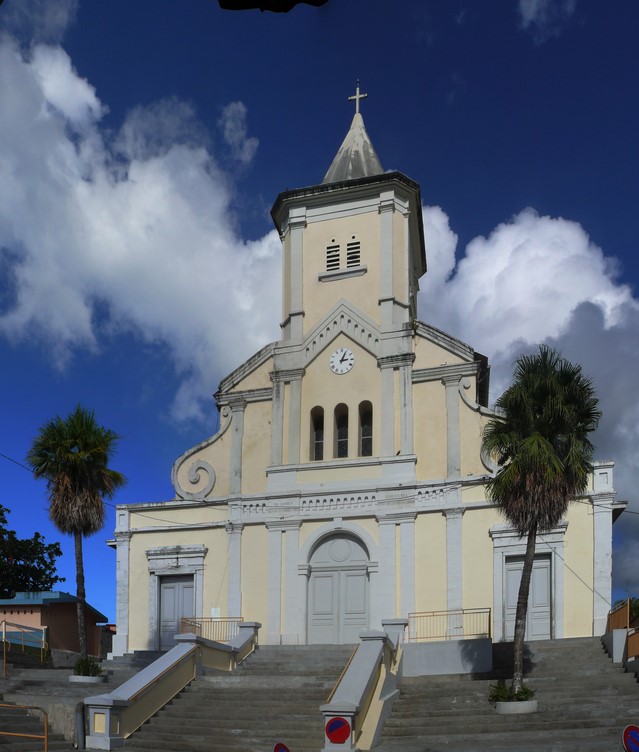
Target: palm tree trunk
point(522, 611)
point(82, 604)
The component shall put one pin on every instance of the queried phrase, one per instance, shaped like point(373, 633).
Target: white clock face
point(342, 360)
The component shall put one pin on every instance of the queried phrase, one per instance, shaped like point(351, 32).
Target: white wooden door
point(539, 617)
point(338, 592)
point(176, 602)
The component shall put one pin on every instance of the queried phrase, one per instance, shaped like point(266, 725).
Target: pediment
point(342, 319)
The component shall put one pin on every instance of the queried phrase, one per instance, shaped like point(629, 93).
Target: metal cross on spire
point(357, 97)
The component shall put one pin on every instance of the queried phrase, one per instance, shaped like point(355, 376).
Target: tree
point(73, 456)
point(539, 437)
point(27, 565)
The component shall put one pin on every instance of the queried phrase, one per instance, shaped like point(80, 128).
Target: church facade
point(346, 483)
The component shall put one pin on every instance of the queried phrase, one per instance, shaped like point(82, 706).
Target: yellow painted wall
point(218, 455)
point(362, 291)
point(430, 425)
point(321, 387)
point(477, 562)
point(578, 573)
point(430, 355)
point(471, 425)
point(256, 447)
point(430, 562)
point(255, 575)
point(257, 379)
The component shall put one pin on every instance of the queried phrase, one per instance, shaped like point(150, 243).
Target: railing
point(218, 629)
point(619, 618)
point(115, 716)
point(44, 737)
point(366, 689)
point(449, 625)
point(26, 637)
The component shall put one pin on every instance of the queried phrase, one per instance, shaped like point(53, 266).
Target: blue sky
point(143, 144)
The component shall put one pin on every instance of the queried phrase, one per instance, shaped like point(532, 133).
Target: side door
point(539, 617)
point(176, 602)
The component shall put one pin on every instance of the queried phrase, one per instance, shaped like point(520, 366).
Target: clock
point(341, 360)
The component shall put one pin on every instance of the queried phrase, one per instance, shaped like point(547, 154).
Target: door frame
point(172, 560)
point(516, 563)
point(506, 544)
point(335, 527)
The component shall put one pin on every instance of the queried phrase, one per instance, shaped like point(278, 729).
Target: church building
point(346, 483)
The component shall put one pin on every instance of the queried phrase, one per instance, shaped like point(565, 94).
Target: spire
point(356, 157)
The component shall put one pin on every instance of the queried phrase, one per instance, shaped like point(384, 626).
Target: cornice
point(455, 371)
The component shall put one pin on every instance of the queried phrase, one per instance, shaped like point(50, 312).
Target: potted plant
point(87, 671)
point(509, 702)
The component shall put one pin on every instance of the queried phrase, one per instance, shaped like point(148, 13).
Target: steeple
point(356, 157)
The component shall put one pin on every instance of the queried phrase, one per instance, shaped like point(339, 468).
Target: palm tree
point(73, 455)
point(539, 437)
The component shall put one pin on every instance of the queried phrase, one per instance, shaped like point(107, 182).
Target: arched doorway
point(338, 590)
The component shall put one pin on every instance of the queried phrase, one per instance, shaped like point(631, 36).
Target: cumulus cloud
point(135, 234)
point(545, 18)
point(234, 129)
point(540, 279)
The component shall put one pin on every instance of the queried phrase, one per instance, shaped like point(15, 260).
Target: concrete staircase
point(274, 697)
point(30, 682)
point(584, 703)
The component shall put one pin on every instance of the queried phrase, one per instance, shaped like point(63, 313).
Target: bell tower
point(355, 237)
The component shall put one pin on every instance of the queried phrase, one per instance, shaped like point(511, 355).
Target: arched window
point(341, 431)
point(317, 433)
point(365, 429)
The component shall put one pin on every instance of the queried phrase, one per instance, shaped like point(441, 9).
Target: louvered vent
point(352, 253)
point(332, 257)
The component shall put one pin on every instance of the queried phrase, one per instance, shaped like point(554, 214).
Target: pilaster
point(453, 442)
point(121, 638)
point(234, 531)
point(294, 377)
point(237, 405)
point(602, 561)
point(454, 558)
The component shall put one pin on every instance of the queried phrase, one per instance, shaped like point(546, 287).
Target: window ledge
point(354, 271)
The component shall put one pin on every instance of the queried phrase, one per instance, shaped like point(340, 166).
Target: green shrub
point(87, 667)
point(504, 693)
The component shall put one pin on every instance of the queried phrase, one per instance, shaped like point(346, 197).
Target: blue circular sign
point(630, 738)
point(279, 747)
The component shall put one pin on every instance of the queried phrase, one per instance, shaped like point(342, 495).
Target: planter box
point(516, 707)
point(87, 679)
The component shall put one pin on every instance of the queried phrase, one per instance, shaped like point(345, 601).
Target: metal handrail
point(341, 676)
point(45, 718)
point(449, 625)
point(37, 632)
point(218, 628)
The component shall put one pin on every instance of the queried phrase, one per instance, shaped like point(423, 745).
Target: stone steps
point(584, 702)
point(18, 721)
point(274, 697)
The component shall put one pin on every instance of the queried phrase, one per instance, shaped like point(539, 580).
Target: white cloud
point(142, 227)
point(234, 128)
point(537, 279)
point(545, 18)
point(136, 234)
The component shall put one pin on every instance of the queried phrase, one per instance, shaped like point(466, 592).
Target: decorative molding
point(283, 377)
point(454, 371)
point(342, 320)
point(353, 271)
point(194, 478)
point(396, 361)
point(242, 371)
point(452, 344)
